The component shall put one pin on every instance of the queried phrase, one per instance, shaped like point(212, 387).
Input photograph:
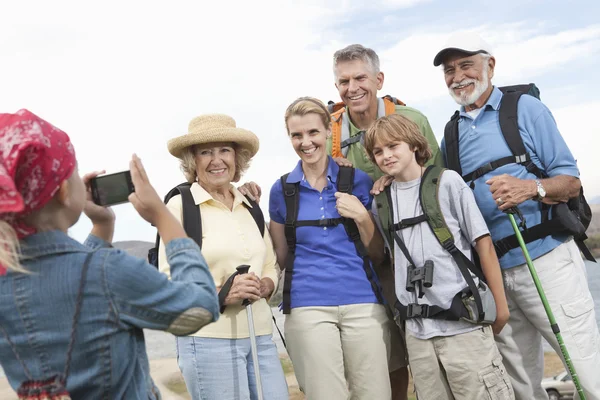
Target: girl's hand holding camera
point(103, 218)
point(144, 199)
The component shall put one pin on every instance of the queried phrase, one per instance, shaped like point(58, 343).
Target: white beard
point(479, 88)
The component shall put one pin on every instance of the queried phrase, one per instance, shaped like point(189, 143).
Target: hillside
point(135, 247)
point(594, 228)
point(140, 249)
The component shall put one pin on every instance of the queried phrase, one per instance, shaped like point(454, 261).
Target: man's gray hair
point(357, 52)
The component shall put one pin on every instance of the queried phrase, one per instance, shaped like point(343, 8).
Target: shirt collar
point(202, 196)
point(380, 114)
point(297, 174)
point(493, 102)
point(50, 242)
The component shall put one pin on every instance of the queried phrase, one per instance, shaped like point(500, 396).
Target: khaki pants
point(467, 366)
point(334, 349)
point(564, 279)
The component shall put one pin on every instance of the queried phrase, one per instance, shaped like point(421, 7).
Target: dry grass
point(177, 389)
point(173, 386)
point(552, 364)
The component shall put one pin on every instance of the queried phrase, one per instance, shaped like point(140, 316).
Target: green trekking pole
point(553, 323)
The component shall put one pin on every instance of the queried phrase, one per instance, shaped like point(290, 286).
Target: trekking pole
point(553, 323)
point(243, 269)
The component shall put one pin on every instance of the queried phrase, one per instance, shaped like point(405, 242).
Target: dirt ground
point(170, 382)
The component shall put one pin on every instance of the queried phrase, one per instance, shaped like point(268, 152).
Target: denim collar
point(50, 242)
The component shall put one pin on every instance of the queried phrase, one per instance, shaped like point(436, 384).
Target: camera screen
point(113, 189)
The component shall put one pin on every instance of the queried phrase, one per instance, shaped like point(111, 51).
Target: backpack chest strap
point(523, 159)
point(408, 222)
point(346, 139)
point(323, 222)
point(354, 139)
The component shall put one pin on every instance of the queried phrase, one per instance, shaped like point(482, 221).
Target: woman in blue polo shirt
point(336, 327)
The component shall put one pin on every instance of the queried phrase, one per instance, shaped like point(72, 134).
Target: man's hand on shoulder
point(381, 183)
point(252, 190)
point(342, 161)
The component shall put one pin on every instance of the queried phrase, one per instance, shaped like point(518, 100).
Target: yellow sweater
point(230, 238)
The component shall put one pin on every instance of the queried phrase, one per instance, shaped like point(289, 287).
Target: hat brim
point(242, 137)
point(439, 58)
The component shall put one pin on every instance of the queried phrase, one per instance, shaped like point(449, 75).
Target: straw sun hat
point(212, 128)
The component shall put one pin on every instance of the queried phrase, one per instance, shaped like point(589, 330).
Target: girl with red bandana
point(73, 312)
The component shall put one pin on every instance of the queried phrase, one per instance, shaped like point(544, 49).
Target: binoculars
point(422, 275)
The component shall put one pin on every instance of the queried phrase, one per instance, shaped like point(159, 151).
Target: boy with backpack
point(446, 300)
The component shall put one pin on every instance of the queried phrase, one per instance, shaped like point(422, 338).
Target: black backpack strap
point(509, 126)
point(345, 184)
point(456, 311)
point(192, 222)
point(408, 222)
point(524, 159)
point(390, 221)
point(345, 180)
point(451, 143)
point(191, 214)
point(546, 228)
point(225, 291)
point(292, 204)
point(580, 242)
point(257, 214)
point(402, 246)
point(354, 139)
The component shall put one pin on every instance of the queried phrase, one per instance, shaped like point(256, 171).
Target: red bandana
point(35, 158)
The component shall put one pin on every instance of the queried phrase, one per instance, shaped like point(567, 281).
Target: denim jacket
point(123, 294)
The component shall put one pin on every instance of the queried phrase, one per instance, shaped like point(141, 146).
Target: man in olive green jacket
point(358, 79)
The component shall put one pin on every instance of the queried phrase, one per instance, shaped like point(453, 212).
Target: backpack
point(345, 183)
point(571, 218)
point(475, 303)
point(340, 127)
point(192, 224)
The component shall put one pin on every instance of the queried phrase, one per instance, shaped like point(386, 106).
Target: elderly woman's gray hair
point(188, 162)
point(357, 52)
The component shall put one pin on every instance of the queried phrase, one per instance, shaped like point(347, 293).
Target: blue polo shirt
point(480, 141)
point(327, 269)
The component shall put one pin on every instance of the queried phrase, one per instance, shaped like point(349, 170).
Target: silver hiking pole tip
point(243, 269)
point(549, 313)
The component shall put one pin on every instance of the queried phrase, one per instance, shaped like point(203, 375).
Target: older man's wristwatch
point(541, 192)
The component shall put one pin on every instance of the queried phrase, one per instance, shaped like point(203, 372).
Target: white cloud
point(403, 3)
point(522, 52)
point(124, 77)
point(576, 123)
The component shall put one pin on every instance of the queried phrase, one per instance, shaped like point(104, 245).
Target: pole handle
point(243, 269)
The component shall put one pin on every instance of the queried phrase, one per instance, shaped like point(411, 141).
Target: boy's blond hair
point(396, 128)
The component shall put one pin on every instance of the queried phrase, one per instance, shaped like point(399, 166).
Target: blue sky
point(126, 76)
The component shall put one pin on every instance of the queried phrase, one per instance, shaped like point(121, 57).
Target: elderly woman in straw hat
point(216, 362)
